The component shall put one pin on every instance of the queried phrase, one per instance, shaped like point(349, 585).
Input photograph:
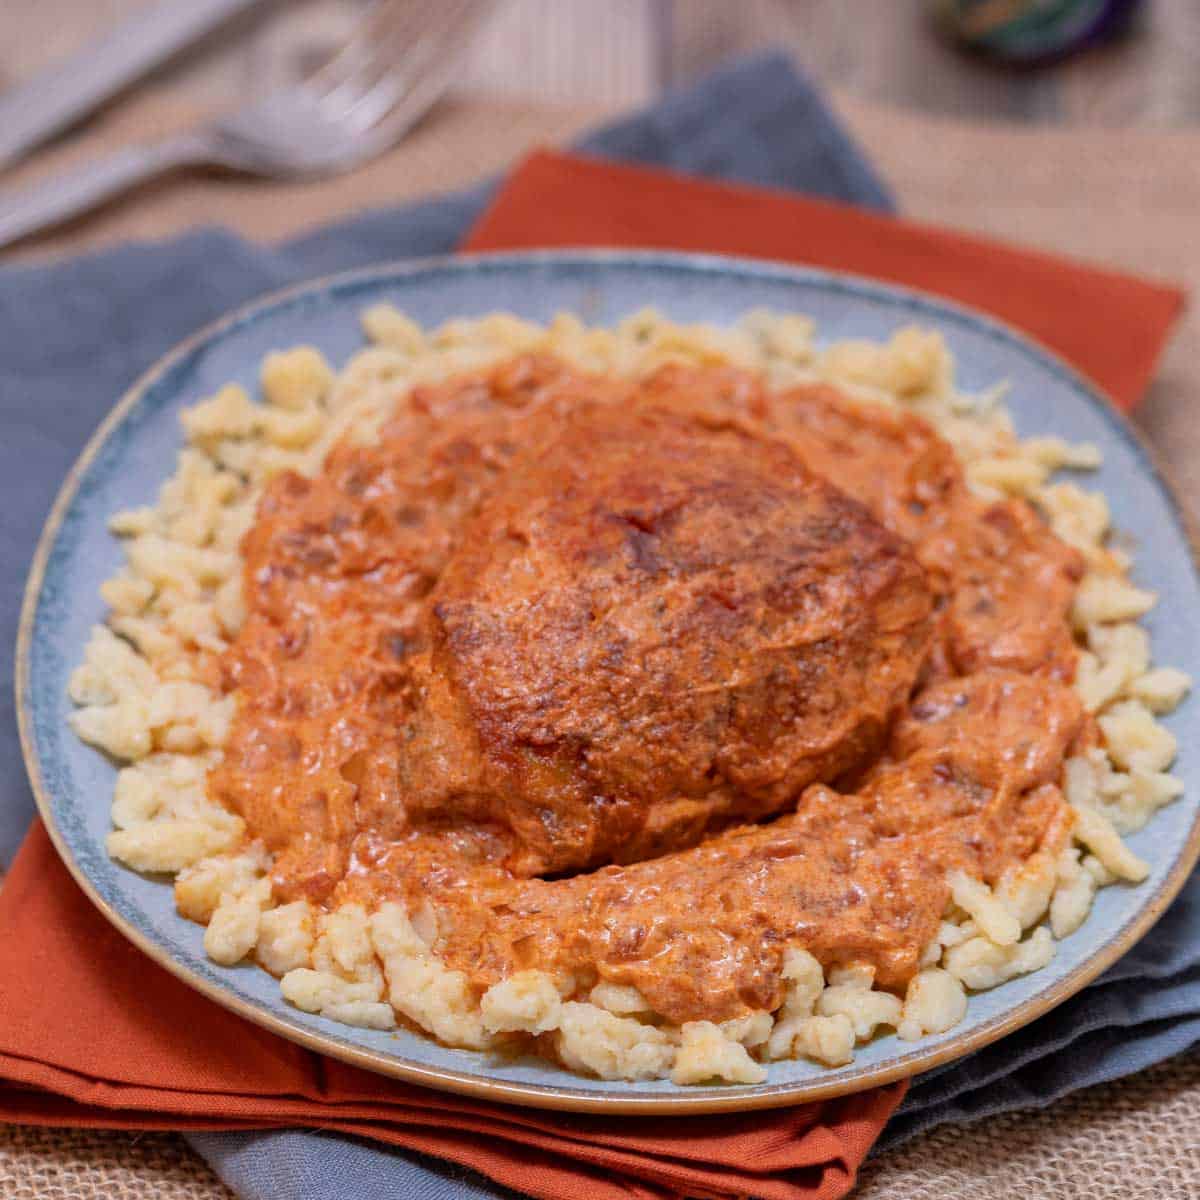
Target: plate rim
point(565, 1097)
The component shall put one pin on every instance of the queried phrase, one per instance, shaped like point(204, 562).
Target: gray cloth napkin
point(74, 334)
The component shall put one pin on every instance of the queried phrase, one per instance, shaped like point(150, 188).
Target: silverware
point(357, 105)
point(57, 98)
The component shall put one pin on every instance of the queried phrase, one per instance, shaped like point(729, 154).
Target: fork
point(361, 102)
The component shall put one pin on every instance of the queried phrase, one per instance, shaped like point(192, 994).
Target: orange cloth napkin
point(1109, 325)
point(93, 1033)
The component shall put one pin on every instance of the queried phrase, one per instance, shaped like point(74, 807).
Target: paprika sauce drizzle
point(644, 681)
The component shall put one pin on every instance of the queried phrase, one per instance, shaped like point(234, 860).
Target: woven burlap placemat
point(90, 1164)
point(1136, 1139)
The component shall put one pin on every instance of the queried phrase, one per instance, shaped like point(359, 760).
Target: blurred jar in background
point(1029, 32)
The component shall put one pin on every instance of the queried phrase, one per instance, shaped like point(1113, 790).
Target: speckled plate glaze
point(133, 451)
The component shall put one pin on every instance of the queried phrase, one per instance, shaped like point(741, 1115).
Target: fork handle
point(27, 210)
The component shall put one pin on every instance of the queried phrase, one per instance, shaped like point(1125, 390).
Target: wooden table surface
point(1103, 163)
point(621, 52)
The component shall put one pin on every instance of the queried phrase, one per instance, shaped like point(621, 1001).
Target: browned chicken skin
point(656, 626)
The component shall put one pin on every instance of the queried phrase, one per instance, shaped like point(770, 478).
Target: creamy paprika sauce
point(646, 681)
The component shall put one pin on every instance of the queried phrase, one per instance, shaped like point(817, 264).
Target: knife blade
point(60, 95)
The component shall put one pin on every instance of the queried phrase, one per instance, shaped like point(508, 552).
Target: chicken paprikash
point(663, 720)
point(551, 654)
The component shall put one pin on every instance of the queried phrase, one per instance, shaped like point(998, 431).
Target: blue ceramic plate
point(134, 450)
